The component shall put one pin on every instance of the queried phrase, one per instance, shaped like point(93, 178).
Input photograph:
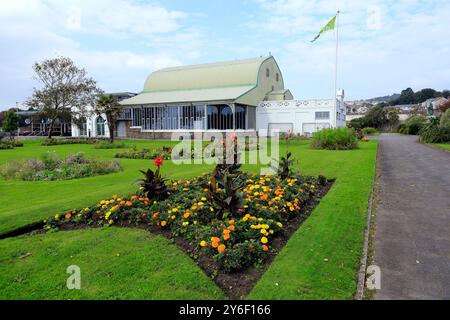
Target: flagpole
point(336, 68)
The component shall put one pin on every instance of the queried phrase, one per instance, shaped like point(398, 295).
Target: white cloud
point(385, 45)
point(118, 42)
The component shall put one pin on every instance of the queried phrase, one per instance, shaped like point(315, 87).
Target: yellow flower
point(264, 240)
point(175, 210)
point(200, 203)
point(173, 217)
point(203, 243)
point(263, 231)
point(185, 223)
point(194, 207)
point(279, 224)
point(111, 221)
point(163, 223)
point(211, 209)
point(203, 199)
point(186, 215)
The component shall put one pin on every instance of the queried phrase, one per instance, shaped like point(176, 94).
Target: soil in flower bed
point(235, 284)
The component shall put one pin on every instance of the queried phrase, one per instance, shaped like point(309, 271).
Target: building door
point(122, 129)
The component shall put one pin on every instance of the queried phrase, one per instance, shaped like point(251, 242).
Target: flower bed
point(51, 168)
point(55, 142)
point(10, 144)
point(148, 154)
point(228, 221)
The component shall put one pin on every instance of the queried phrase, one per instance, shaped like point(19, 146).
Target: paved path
point(412, 238)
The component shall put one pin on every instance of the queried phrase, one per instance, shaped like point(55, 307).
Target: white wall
point(91, 127)
point(300, 115)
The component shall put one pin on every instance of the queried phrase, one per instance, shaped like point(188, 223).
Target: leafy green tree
point(425, 94)
point(66, 90)
point(392, 117)
point(108, 105)
point(10, 123)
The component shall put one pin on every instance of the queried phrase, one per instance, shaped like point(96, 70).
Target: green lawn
point(445, 146)
point(115, 263)
point(320, 261)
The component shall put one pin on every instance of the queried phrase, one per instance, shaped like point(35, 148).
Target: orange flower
point(129, 204)
point(264, 196)
point(231, 228)
point(226, 231)
point(215, 242)
point(226, 236)
point(265, 248)
point(231, 221)
point(134, 197)
point(155, 215)
point(221, 248)
point(68, 216)
point(122, 202)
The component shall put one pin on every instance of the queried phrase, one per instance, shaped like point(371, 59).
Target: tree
point(392, 117)
point(10, 123)
point(66, 90)
point(108, 105)
point(425, 94)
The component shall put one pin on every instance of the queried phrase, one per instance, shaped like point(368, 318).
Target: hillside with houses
point(407, 103)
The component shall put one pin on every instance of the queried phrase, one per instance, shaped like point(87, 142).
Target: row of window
point(99, 127)
point(193, 117)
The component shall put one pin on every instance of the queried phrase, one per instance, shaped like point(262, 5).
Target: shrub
point(54, 142)
point(369, 131)
point(335, 139)
point(414, 124)
point(10, 144)
point(148, 154)
point(433, 132)
point(109, 145)
point(445, 119)
point(50, 168)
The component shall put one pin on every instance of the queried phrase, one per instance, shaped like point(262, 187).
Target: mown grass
point(445, 146)
point(319, 262)
point(115, 263)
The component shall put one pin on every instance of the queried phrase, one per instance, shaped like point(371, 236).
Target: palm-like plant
point(108, 105)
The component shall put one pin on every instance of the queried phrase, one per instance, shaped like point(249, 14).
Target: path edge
point(359, 294)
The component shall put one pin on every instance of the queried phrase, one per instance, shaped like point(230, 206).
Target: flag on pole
point(328, 26)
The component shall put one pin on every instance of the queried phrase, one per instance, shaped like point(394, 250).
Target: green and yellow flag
point(329, 26)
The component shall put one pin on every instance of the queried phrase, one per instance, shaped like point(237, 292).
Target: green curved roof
point(235, 73)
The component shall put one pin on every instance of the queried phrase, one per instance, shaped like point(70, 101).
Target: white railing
point(298, 103)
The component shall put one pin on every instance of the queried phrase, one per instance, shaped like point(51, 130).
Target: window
point(267, 72)
point(100, 126)
point(239, 116)
point(277, 77)
point(136, 117)
point(322, 115)
point(83, 127)
point(220, 117)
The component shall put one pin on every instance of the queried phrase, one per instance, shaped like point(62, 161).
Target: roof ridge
point(209, 64)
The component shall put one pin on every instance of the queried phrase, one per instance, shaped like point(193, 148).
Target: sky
point(384, 46)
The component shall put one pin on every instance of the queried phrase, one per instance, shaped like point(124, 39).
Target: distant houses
point(357, 109)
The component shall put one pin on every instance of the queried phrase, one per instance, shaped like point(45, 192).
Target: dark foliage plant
point(153, 185)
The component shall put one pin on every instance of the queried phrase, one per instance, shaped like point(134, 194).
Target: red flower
point(159, 161)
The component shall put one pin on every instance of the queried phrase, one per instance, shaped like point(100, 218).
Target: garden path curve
point(412, 237)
